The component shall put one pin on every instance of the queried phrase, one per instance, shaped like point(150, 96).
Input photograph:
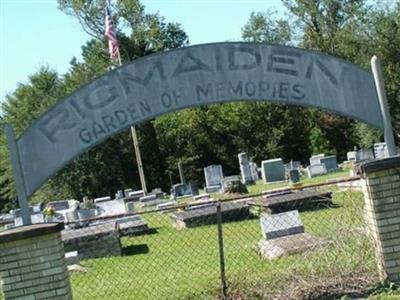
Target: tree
point(266, 28)
point(20, 109)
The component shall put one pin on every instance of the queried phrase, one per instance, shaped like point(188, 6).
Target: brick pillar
point(381, 188)
point(32, 263)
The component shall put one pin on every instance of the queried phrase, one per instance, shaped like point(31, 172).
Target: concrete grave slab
point(201, 197)
point(99, 240)
point(288, 245)
point(298, 200)
point(208, 215)
point(111, 207)
point(165, 205)
point(132, 226)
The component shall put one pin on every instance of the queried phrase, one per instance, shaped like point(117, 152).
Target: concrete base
point(100, 240)
point(287, 245)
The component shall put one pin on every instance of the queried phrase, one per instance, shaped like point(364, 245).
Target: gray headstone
point(213, 175)
point(365, 154)
point(184, 189)
point(59, 205)
point(315, 159)
point(245, 169)
point(283, 224)
point(294, 175)
point(330, 163)
point(316, 170)
point(273, 170)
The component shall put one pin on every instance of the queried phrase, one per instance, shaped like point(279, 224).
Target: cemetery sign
point(187, 77)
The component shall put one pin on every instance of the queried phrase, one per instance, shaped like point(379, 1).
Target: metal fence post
point(221, 252)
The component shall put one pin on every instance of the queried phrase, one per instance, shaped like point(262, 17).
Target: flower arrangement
point(49, 211)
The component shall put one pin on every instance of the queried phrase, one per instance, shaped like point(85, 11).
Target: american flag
point(110, 34)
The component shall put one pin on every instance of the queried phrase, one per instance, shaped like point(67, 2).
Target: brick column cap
point(379, 164)
point(30, 231)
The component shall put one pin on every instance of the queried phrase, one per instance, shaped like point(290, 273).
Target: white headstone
point(365, 154)
point(283, 224)
point(316, 170)
point(106, 198)
point(245, 169)
point(315, 159)
point(352, 156)
point(213, 175)
point(380, 150)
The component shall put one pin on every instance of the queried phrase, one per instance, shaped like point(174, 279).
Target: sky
point(34, 33)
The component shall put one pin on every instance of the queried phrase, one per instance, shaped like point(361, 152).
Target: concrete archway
point(189, 77)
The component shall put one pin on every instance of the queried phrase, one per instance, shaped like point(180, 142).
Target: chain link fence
point(309, 243)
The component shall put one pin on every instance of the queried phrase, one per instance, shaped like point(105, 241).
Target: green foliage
point(365, 135)
point(20, 109)
point(318, 142)
point(266, 28)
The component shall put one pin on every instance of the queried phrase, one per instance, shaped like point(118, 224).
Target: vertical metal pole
point(139, 160)
point(18, 176)
point(221, 252)
point(380, 89)
point(136, 147)
point(181, 175)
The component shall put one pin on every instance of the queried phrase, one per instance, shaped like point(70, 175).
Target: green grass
point(171, 264)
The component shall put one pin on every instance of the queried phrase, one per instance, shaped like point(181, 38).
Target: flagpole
point(136, 147)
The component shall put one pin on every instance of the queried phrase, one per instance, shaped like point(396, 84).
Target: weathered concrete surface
point(288, 245)
point(187, 77)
